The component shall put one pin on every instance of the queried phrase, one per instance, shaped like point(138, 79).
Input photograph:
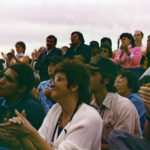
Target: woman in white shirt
point(71, 124)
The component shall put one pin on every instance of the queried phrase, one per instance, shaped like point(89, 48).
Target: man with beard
point(51, 51)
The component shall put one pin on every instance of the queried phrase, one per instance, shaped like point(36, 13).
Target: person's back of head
point(25, 76)
point(94, 44)
point(107, 41)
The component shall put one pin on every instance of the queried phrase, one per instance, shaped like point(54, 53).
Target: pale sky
point(32, 21)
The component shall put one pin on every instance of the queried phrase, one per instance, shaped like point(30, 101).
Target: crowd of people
point(82, 97)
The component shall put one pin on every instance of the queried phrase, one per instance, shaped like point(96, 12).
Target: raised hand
point(47, 93)
point(4, 55)
point(18, 126)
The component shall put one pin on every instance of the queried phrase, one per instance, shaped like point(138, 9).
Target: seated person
point(129, 56)
point(69, 123)
point(15, 87)
point(127, 85)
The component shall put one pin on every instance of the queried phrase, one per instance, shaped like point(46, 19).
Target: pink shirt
point(132, 61)
point(118, 113)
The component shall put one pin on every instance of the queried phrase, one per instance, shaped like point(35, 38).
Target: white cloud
point(32, 21)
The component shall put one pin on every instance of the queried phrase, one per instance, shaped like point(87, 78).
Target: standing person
point(116, 111)
point(138, 37)
point(51, 51)
point(129, 56)
point(78, 49)
point(69, 123)
point(20, 57)
point(120, 140)
point(127, 85)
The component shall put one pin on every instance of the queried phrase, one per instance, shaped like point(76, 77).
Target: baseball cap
point(103, 65)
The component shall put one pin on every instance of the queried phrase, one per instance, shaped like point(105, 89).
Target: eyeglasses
point(104, 51)
point(118, 81)
point(57, 79)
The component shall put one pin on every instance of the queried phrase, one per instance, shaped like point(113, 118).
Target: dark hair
point(25, 76)
point(22, 44)
point(104, 39)
point(132, 80)
point(81, 38)
point(77, 74)
point(107, 69)
point(94, 44)
point(53, 60)
point(109, 49)
point(52, 37)
point(129, 36)
point(144, 80)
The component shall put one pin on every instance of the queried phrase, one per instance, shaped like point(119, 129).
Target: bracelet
point(147, 117)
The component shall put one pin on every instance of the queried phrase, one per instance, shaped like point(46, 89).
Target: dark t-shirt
point(34, 112)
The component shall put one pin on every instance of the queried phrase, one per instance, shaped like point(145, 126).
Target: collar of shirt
point(20, 55)
point(107, 101)
point(48, 51)
point(130, 46)
point(4, 105)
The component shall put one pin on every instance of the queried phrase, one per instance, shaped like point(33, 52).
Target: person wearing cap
point(43, 88)
point(116, 111)
point(128, 56)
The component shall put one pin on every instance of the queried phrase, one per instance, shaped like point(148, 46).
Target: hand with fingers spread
point(4, 55)
point(144, 92)
point(18, 126)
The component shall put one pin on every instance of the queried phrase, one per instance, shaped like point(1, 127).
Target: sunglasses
point(104, 51)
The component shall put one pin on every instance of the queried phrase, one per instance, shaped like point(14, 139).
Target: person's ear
point(22, 89)
point(74, 88)
point(106, 81)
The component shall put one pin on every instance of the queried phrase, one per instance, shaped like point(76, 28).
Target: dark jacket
point(42, 62)
point(83, 50)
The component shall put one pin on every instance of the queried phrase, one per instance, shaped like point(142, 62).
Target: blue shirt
point(138, 103)
point(45, 102)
